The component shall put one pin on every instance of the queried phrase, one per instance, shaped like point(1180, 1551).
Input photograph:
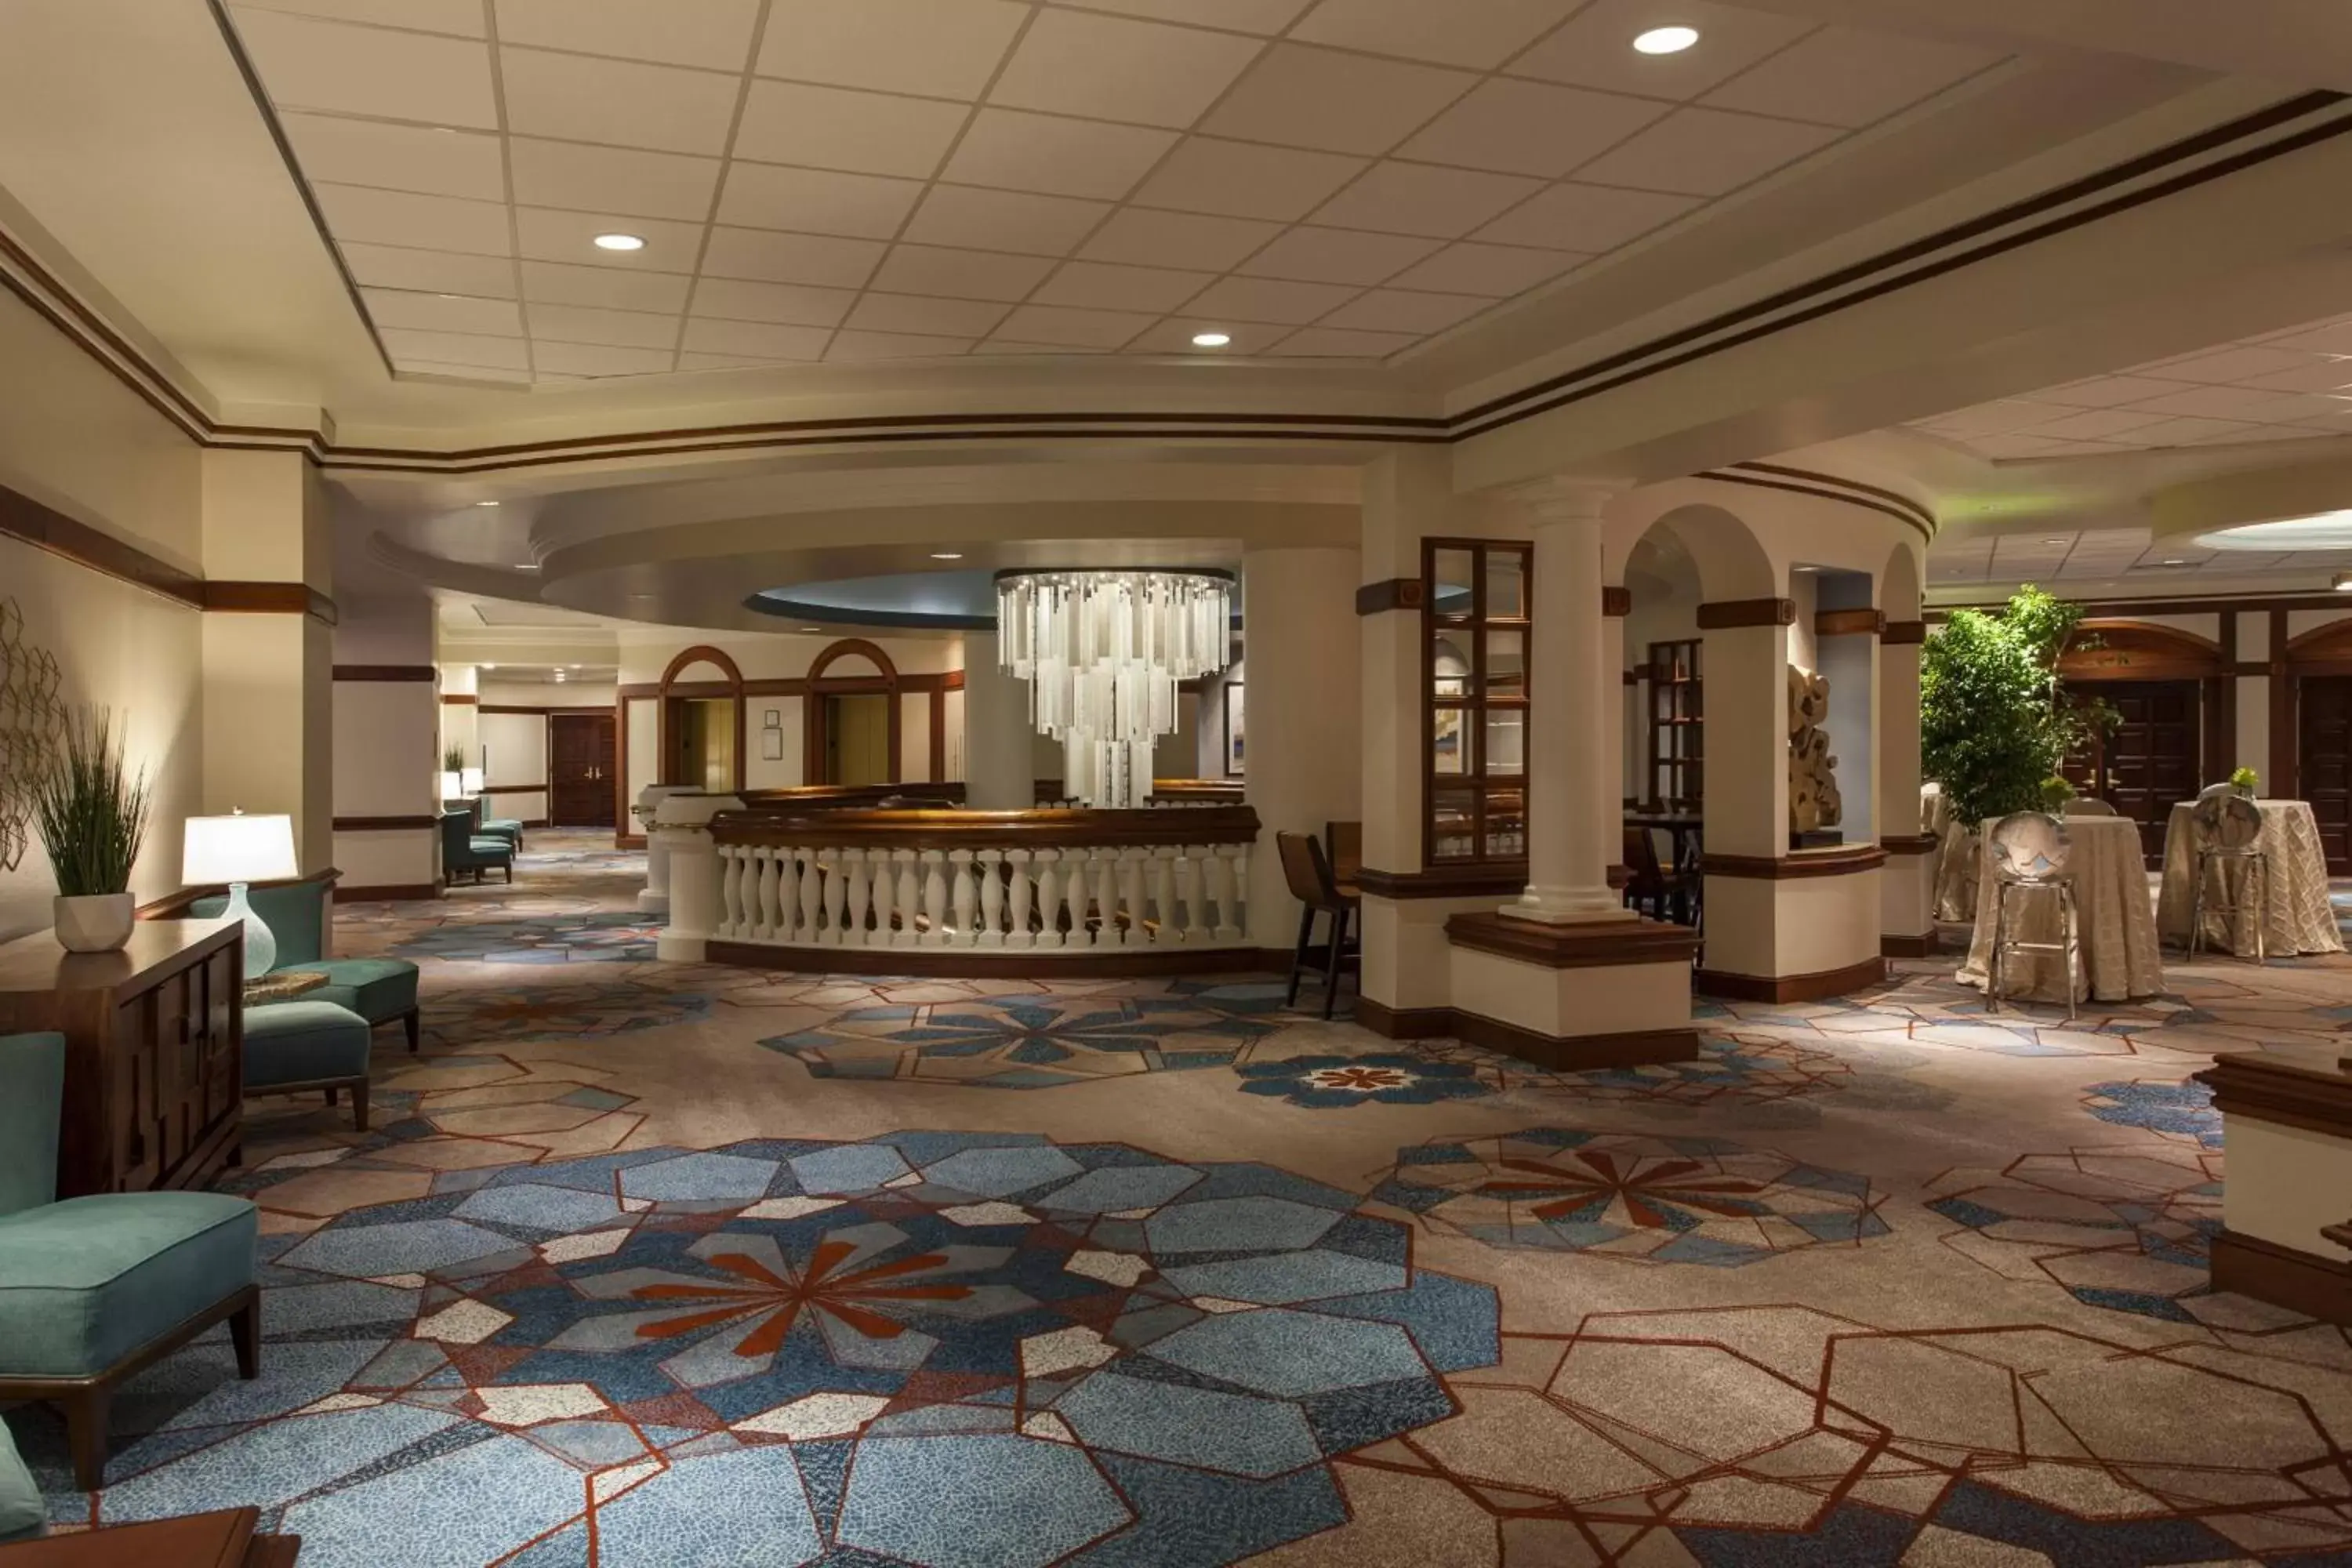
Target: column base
point(1584, 994)
point(651, 903)
point(1568, 906)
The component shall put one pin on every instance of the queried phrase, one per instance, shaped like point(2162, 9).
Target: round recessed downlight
point(619, 242)
point(1211, 340)
point(1666, 40)
point(947, 555)
point(486, 503)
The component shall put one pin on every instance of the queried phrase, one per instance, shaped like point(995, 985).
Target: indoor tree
point(1993, 722)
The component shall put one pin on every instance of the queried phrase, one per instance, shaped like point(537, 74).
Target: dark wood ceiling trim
point(29, 521)
point(268, 599)
point(416, 672)
point(1824, 490)
point(458, 699)
point(1724, 614)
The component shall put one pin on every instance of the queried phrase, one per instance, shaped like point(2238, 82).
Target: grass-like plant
point(453, 760)
point(92, 813)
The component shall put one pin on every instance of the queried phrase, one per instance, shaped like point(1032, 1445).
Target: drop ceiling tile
point(617, 102)
point(1001, 346)
point(1302, 97)
point(2231, 365)
point(1266, 18)
point(2315, 375)
point(606, 288)
point(428, 223)
point(737, 361)
point(1481, 36)
point(547, 233)
point(832, 128)
point(599, 359)
point(791, 258)
point(1337, 256)
point(2095, 423)
point(1174, 336)
point(442, 313)
point(2205, 402)
point(2294, 408)
point(1588, 218)
point(1245, 179)
point(462, 18)
point(713, 34)
point(1985, 418)
point(1332, 342)
point(1016, 151)
point(1595, 48)
point(2185, 432)
point(1396, 311)
point(936, 48)
point(455, 347)
point(613, 329)
point(2109, 391)
point(915, 313)
point(308, 63)
point(816, 201)
point(1846, 75)
point(417, 367)
point(960, 274)
point(434, 272)
point(1145, 238)
point(1528, 128)
point(2333, 338)
point(390, 157)
point(894, 345)
point(1496, 271)
point(1002, 220)
point(787, 304)
point(1703, 152)
point(613, 179)
point(1103, 287)
point(1115, 67)
point(757, 339)
point(1084, 329)
point(1391, 197)
point(1268, 300)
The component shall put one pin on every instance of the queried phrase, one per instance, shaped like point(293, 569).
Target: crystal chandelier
point(1102, 652)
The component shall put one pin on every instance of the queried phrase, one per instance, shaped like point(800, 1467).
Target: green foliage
point(1994, 724)
point(2055, 793)
point(453, 760)
point(2246, 779)
point(92, 816)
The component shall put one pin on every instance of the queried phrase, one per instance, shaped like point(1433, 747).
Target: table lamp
point(452, 786)
point(238, 849)
point(470, 782)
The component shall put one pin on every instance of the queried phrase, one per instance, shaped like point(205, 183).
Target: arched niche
point(718, 680)
point(1686, 556)
point(851, 667)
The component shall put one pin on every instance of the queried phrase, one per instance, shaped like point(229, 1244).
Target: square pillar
point(387, 754)
point(1907, 881)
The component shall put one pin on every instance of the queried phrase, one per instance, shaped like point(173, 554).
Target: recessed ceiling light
point(2175, 561)
point(2053, 542)
point(947, 555)
point(1211, 340)
point(486, 503)
point(526, 565)
point(817, 630)
point(1666, 40)
point(619, 242)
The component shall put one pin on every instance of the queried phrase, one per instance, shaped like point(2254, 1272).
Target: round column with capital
point(998, 753)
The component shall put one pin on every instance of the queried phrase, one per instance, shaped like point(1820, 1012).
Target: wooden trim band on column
point(1594, 945)
point(1790, 988)
point(384, 824)
point(1574, 1052)
point(1391, 594)
point(2285, 1276)
point(403, 892)
point(29, 521)
point(2260, 1089)
point(456, 700)
point(1616, 603)
point(1909, 843)
point(268, 599)
point(1725, 614)
point(1849, 623)
point(1903, 633)
point(1843, 861)
point(1445, 882)
point(514, 789)
point(416, 672)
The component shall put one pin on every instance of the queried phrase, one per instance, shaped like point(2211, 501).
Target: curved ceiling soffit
point(440, 572)
point(2249, 496)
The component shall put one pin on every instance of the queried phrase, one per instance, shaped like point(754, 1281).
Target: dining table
point(2296, 917)
point(2115, 920)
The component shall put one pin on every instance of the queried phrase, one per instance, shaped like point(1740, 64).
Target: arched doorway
point(2164, 685)
point(701, 723)
point(851, 719)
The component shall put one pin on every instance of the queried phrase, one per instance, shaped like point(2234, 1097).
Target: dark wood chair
point(1343, 844)
point(1309, 873)
point(1647, 880)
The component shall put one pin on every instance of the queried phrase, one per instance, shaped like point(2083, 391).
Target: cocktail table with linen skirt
point(2116, 924)
point(2298, 917)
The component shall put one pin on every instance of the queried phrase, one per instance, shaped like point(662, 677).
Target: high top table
point(2116, 924)
point(2297, 916)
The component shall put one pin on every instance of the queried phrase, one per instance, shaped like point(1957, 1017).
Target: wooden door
point(580, 762)
point(2324, 760)
point(2150, 760)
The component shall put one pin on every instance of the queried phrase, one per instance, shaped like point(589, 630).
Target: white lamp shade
point(470, 780)
point(238, 849)
point(452, 786)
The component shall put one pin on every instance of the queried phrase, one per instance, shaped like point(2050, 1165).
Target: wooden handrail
point(1047, 829)
point(822, 797)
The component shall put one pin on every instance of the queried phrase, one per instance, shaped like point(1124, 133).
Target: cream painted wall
point(640, 744)
point(1305, 734)
point(783, 771)
point(954, 737)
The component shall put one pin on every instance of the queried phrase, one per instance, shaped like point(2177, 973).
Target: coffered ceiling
point(854, 180)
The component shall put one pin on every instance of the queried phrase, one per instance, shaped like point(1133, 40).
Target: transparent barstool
point(2226, 829)
point(2031, 854)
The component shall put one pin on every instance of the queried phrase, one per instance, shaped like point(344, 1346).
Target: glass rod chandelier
point(1103, 651)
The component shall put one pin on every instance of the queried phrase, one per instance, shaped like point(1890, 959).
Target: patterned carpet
point(686, 1265)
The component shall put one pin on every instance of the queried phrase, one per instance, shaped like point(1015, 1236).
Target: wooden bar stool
point(1312, 884)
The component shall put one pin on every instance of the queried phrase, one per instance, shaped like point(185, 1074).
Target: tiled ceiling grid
point(2289, 385)
point(2076, 556)
point(861, 179)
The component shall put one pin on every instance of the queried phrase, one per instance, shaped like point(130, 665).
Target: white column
point(1573, 797)
point(997, 751)
point(1304, 676)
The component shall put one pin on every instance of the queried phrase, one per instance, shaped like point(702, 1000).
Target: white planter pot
point(100, 922)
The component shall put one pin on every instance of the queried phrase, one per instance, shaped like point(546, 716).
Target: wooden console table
point(154, 1051)
point(223, 1540)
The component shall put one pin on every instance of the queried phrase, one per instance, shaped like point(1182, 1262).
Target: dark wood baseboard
point(1022, 964)
point(1573, 1053)
point(2283, 1276)
point(1908, 946)
point(394, 890)
point(1789, 988)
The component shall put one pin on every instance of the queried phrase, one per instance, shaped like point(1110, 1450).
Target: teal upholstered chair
point(94, 1289)
point(23, 1515)
point(462, 850)
point(487, 826)
point(379, 990)
point(302, 1044)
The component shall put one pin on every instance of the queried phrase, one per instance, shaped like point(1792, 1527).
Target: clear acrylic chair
point(2087, 805)
point(2032, 857)
point(2226, 829)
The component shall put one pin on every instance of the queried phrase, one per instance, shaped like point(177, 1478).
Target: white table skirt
point(2117, 926)
point(2299, 917)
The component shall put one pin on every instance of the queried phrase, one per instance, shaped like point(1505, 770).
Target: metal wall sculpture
point(1813, 800)
point(32, 725)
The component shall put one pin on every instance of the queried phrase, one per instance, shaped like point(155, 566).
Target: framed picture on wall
point(769, 720)
point(771, 742)
point(1233, 731)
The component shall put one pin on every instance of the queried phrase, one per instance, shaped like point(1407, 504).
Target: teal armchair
point(93, 1290)
point(23, 1515)
point(379, 990)
point(487, 826)
point(462, 850)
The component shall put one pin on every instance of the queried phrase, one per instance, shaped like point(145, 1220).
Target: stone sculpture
point(1814, 801)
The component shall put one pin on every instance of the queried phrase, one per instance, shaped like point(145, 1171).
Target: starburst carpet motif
point(1025, 1042)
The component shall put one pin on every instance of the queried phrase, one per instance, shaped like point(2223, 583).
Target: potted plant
point(2246, 780)
point(92, 817)
point(1994, 721)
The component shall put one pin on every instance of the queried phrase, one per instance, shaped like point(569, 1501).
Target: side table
point(223, 1540)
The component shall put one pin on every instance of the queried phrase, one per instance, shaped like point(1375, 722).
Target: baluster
point(764, 894)
point(812, 892)
point(884, 885)
point(1105, 863)
point(1049, 898)
point(1242, 856)
point(1016, 876)
point(1163, 896)
point(836, 894)
point(1130, 892)
point(860, 879)
point(992, 897)
point(909, 901)
point(1076, 888)
point(935, 896)
point(1220, 892)
point(727, 894)
point(780, 894)
point(963, 896)
point(1191, 886)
